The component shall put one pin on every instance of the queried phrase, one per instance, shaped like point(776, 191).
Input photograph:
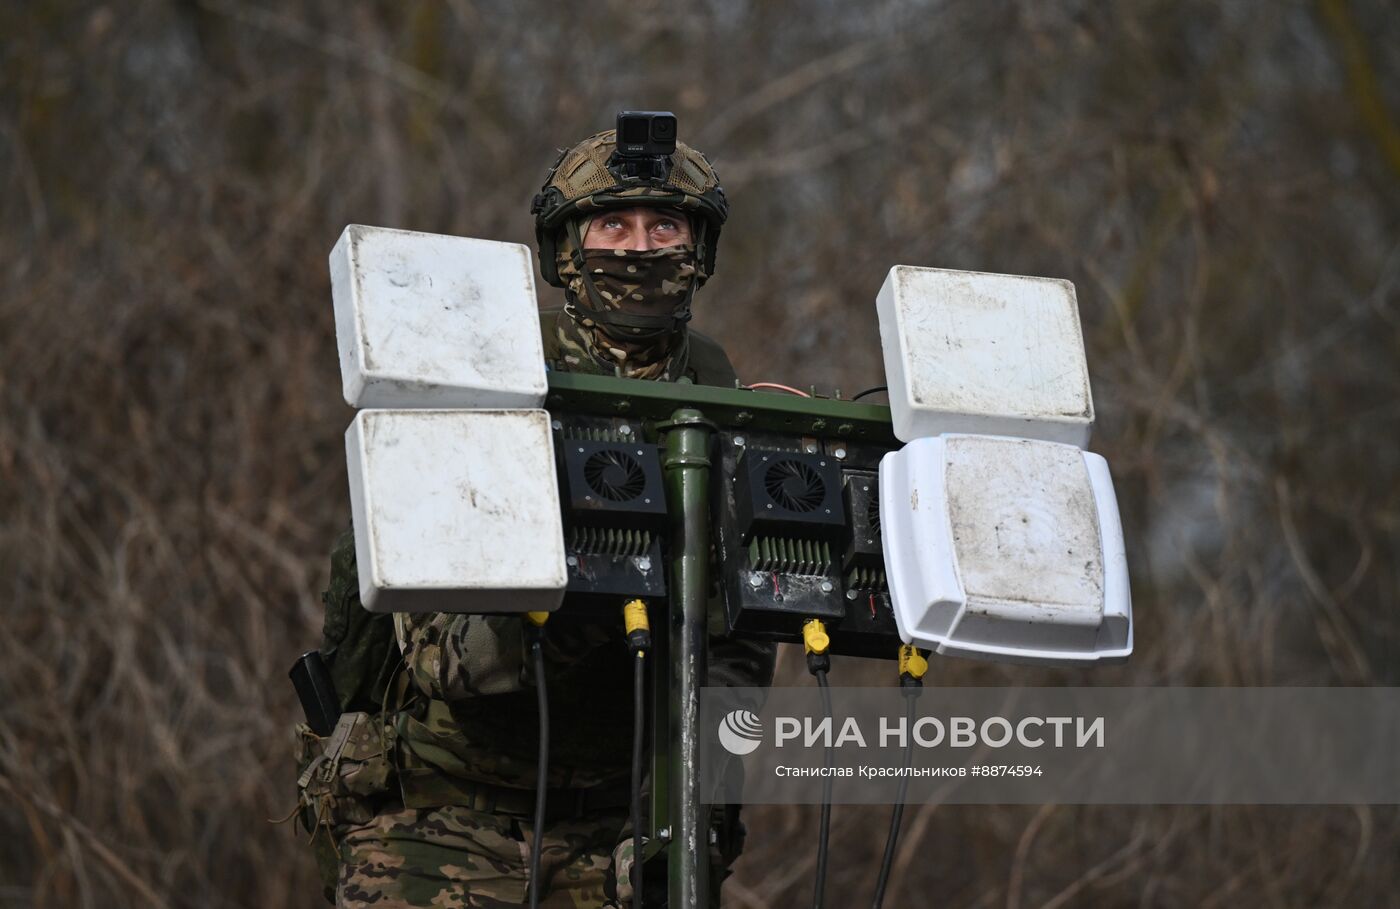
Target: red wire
point(788, 388)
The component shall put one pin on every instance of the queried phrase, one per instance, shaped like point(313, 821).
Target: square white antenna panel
point(456, 511)
point(970, 352)
point(1005, 549)
point(432, 321)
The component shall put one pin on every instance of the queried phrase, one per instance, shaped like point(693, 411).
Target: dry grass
point(1217, 179)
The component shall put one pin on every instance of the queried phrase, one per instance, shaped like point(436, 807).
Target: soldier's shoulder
point(709, 361)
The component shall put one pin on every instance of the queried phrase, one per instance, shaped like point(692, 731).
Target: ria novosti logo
point(740, 731)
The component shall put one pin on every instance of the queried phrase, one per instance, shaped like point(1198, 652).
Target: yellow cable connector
point(814, 637)
point(634, 616)
point(537, 618)
point(911, 661)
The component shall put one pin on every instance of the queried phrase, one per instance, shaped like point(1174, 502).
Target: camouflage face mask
point(639, 344)
point(628, 279)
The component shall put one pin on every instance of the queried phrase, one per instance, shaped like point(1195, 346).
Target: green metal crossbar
point(725, 408)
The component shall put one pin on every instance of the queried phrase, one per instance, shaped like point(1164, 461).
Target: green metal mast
point(687, 416)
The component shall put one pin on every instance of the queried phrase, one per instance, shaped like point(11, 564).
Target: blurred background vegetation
point(1220, 180)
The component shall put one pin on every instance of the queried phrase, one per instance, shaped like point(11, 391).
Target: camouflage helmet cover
point(581, 183)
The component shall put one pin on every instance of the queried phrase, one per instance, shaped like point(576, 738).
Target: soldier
point(449, 821)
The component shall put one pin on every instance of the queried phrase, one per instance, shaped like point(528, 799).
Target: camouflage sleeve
point(451, 656)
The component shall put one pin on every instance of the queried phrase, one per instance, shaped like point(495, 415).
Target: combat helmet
point(593, 176)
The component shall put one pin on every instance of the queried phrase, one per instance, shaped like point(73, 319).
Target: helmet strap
point(702, 248)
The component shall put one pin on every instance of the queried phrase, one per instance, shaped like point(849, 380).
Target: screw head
point(840, 453)
point(851, 595)
point(625, 429)
point(572, 560)
point(644, 563)
point(739, 440)
point(556, 424)
point(826, 587)
point(811, 448)
point(755, 580)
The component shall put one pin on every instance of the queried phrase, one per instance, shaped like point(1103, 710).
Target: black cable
point(638, 706)
point(871, 391)
point(824, 830)
point(911, 692)
point(541, 774)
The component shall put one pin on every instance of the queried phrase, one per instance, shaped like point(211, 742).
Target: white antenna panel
point(456, 511)
point(970, 352)
point(432, 321)
point(1006, 549)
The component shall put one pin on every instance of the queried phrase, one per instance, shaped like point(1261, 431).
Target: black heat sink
point(864, 549)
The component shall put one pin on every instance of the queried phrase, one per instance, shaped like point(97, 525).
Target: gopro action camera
point(646, 139)
point(646, 133)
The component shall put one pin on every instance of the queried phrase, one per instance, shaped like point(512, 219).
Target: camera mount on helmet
point(646, 140)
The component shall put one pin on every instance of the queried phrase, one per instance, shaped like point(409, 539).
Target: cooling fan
point(614, 475)
point(789, 494)
point(615, 484)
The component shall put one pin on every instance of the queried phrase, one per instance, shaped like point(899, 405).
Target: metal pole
point(687, 466)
